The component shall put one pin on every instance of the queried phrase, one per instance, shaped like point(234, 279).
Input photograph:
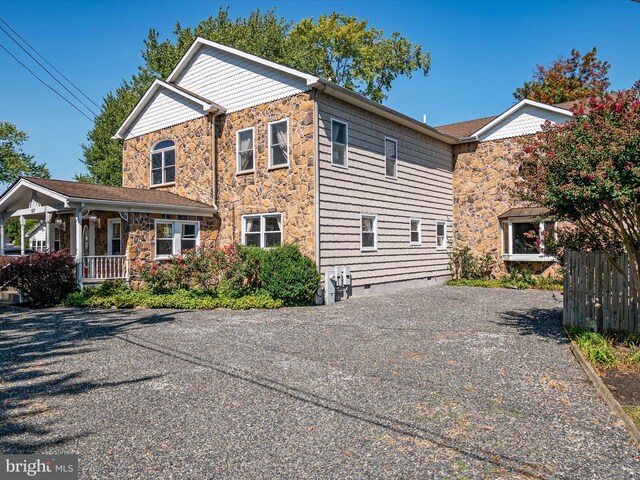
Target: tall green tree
point(566, 79)
point(14, 162)
point(341, 48)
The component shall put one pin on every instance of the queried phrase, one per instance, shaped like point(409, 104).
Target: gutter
point(204, 211)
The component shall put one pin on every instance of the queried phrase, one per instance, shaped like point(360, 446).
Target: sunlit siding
point(527, 120)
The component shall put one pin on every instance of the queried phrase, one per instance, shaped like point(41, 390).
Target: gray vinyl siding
point(423, 189)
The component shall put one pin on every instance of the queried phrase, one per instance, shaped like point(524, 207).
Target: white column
point(22, 223)
point(78, 232)
point(1, 236)
point(47, 231)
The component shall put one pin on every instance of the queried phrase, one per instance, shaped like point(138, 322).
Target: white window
point(163, 163)
point(57, 235)
point(262, 230)
point(339, 143)
point(368, 232)
point(523, 239)
point(244, 150)
point(114, 236)
point(173, 237)
point(441, 235)
point(279, 143)
point(415, 233)
point(390, 157)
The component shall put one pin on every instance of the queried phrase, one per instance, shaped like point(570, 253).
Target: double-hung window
point(173, 237)
point(114, 234)
point(391, 158)
point(57, 235)
point(163, 163)
point(262, 230)
point(244, 150)
point(368, 232)
point(339, 143)
point(441, 235)
point(279, 143)
point(414, 231)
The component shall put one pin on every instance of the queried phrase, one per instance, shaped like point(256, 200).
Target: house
point(488, 215)
point(37, 236)
point(232, 148)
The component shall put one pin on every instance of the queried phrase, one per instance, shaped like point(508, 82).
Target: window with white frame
point(415, 233)
point(173, 237)
point(279, 143)
point(441, 235)
point(368, 232)
point(114, 236)
point(244, 150)
point(262, 230)
point(163, 163)
point(57, 235)
point(523, 239)
point(390, 157)
point(339, 143)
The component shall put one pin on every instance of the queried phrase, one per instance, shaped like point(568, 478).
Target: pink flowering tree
point(587, 172)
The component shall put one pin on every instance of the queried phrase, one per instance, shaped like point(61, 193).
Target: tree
point(566, 79)
point(636, 87)
point(347, 52)
point(14, 163)
point(587, 172)
point(342, 48)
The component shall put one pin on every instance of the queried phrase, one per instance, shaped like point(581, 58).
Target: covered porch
point(94, 223)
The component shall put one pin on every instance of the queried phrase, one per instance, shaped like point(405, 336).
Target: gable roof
point(206, 104)
point(310, 81)
point(476, 127)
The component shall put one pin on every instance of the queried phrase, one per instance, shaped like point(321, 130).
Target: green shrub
point(465, 265)
point(594, 346)
point(286, 274)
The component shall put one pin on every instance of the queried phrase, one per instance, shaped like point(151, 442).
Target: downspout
point(214, 160)
point(316, 170)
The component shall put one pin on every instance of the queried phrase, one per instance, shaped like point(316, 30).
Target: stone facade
point(485, 179)
point(288, 190)
point(194, 168)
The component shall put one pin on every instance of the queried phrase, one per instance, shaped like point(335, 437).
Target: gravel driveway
point(433, 383)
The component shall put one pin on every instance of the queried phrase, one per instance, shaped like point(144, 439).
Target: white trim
point(110, 222)
point(346, 145)
point(419, 220)
point(176, 244)
point(253, 150)
point(269, 125)
point(207, 106)
point(23, 182)
point(517, 107)
point(394, 177)
point(375, 232)
point(262, 217)
point(524, 257)
point(198, 42)
point(444, 246)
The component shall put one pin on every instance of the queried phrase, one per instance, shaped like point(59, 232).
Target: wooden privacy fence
point(595, 294)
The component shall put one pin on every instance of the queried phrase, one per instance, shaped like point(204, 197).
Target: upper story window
point(244, 150)
point(163, 163)
point(390, 157)
point(279, 143)
point(339, 143)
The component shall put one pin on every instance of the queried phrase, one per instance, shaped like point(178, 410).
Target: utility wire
point(45, 84)
point(48, 63)
point(46, 70)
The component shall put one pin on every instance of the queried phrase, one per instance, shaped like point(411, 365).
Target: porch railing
point(105, 267)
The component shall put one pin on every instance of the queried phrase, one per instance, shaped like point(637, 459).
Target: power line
point(46, 70)
point(48, 63)
point(44, 83)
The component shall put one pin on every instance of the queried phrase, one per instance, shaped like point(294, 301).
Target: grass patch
point(510, 282)
point(634, 412)
point(109, 296)
point(612, 349)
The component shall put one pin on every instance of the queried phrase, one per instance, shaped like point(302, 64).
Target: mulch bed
point(624, 384)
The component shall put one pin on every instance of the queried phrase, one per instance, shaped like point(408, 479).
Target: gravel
point(440, 382)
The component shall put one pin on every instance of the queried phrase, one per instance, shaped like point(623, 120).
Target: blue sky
point(481, 51)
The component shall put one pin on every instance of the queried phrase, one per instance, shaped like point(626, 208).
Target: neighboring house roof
point(478, 127)
point(100, 197)
point(524, 212)
point(303, 82)
point(33, 230)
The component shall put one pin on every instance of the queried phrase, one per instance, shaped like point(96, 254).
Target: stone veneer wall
point(286, 190)
point(194, 170)
point(484, 182)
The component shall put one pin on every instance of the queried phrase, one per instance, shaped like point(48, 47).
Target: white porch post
point(47, 231)
point(22, 223)
point(78, 232)
point(1, 236)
